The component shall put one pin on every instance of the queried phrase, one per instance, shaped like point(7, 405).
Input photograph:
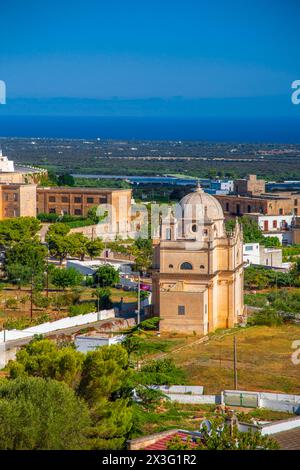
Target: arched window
point(171, 266)
point(202, 266)
point(186, 265)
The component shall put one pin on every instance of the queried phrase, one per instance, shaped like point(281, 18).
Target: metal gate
point(246, 400)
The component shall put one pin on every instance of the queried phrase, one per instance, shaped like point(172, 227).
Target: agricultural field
point(264, 358)
point(15, 304)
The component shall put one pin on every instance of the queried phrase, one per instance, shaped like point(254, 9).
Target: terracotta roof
point(161, 444)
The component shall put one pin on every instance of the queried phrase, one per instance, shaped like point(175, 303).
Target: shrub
point(267, 316)
point(40, 300)
point(82, 309)
point(11, 303)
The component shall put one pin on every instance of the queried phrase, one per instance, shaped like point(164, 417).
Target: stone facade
point(198, 269)
point(17, 200)
point(296, 231)
point(268, 204)
point(250, 186)
point(78, 201)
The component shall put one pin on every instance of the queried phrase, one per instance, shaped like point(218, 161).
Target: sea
point(214, 129)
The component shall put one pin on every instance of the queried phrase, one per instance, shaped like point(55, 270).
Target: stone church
point(197, 268)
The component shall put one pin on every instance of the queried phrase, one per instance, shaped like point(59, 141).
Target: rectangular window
point(227, 206)
point(90, 200)
point(77, 199)
point(77, 212)
point(103, 199)
point(181, 310)
point(15, 196)
point(52, 210)
point(51, 198)
point(248, 248)
point(274, 223)
point(64, 199)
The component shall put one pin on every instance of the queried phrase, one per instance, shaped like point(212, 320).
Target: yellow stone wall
point(212, 292)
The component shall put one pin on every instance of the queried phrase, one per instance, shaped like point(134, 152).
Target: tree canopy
point(106, 276)
point(41, 414)
point(65, 277)
point(66, 180)
point(18, 229)
point(252, 232)
point(25, 260)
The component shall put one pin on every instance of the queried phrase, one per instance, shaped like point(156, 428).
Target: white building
point(275, 226)
point(89, 267)
point(6, 166)
point(92, 341)
point(253, 253)
point(220, 187)
point(274, 223)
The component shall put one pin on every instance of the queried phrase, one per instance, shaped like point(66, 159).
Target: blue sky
point(191, 51)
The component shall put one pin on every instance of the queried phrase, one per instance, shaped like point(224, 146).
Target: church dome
point(200, 205)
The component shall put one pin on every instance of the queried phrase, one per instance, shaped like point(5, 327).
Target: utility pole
point(47, 277)
point(139, 301)
point(235, 363)
point(31, 297)
point(98, 298)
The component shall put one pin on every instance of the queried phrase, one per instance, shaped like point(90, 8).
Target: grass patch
point(264, 359)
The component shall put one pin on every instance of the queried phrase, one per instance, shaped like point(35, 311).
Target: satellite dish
point(206, 426)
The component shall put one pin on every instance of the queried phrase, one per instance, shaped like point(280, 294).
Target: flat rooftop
point(80, 189)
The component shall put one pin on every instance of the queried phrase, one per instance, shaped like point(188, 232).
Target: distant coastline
point(251, 130)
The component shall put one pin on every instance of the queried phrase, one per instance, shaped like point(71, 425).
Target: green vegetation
point(24, 322)
point(65, 180)
point(264, 358)
point(82, 309)
point(291, 253)
point(282, 300)
point(102, 183)
point(41, 414)
point(106, 276)
point(142, 250)
point(61, 243)
point(252, 232)
point(221, 437)
point(72, 221)
point(18, 229)
point(258, 277)
point(266, 316)
point(24, 261)
point(277, 307)
point(103, 295)
point(100, 382)
point(64, 278)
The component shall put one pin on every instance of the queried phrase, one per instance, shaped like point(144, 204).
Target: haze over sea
point(263, 129)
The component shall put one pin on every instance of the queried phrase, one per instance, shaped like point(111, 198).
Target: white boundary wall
point(63, 323)
point(272, 401)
